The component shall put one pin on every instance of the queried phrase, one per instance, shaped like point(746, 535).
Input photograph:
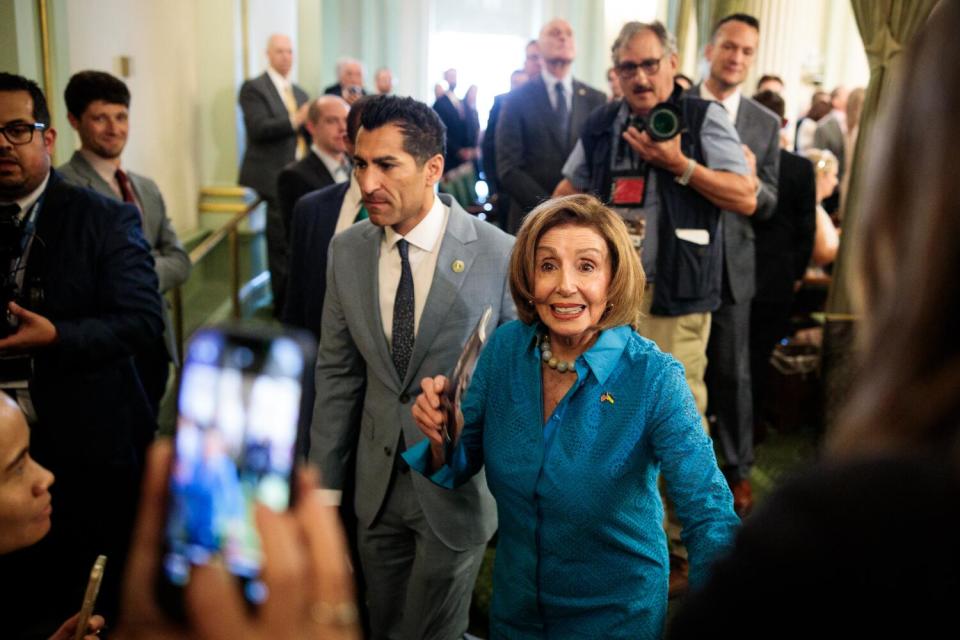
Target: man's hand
point(300, 116)
point(666, 154)
point(34, 331)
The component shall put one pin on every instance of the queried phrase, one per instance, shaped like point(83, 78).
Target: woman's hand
point(305, 570)
point(426, 410)
point(68, 630)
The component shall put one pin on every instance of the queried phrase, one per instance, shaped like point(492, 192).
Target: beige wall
point(160, 39)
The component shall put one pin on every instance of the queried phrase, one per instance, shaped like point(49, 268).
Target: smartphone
point(90, 596)
point(241, 424)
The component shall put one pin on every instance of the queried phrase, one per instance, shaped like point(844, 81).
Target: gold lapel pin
point(458, 266)
point(606, 397)
point(581, 91)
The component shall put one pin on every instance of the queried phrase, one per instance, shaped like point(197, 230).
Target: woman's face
point(24, 486)
point(571, 278)
point(826, 183)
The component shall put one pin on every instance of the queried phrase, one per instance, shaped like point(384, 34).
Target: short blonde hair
point(627, 280)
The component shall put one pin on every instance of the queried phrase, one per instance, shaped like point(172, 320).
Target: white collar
point(104, 167)
point(329, 161)
point(549, 79)
point(427, 233)
point(27, 201)
point(731, 103)
point(276, 78)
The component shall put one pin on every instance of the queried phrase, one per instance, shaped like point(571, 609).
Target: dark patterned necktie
point(403, 311)
point(562, 112)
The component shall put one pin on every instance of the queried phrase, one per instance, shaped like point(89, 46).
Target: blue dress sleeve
point(693, 480)
point(468, 455)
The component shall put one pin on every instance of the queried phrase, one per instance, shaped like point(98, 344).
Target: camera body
point(664, 122)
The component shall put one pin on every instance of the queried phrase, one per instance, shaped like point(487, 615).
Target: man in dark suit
point(488, 148)
point(540, 123)
point(88, 301)
point(349, 85)
point(404, 290)
point(731, 52)
point(452, 112)
point(274, 110)
point(784, 246)
point(98, 109)
point(326, 163)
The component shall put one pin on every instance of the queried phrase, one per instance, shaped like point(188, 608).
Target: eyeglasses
point(21, 132)
point(627, 70)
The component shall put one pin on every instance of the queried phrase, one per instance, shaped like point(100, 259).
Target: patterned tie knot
point(404, 248)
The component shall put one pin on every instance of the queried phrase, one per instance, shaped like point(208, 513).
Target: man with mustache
point(671, 192)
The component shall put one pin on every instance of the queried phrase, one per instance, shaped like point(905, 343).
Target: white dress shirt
point(339, 170)
point(731, 103)
point(551, 81)
point(352, 200)
point(424, 249)
point(27, 201)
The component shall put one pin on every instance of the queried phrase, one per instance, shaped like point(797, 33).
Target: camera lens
point(663, 122)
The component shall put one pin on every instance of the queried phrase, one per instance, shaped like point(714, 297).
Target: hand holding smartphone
point(90, 597)
point(239, 428)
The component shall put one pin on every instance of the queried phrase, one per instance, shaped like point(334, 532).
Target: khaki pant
point(685, 338)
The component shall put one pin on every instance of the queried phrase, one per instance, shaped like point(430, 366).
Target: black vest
point(689, 276)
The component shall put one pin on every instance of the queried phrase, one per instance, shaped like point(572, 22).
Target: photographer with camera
point(668, 164)
point(82, 298)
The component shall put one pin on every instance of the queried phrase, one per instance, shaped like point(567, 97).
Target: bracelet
point(687, 173)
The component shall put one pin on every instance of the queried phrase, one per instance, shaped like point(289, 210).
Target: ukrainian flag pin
point(606, 397)
point(457, 266)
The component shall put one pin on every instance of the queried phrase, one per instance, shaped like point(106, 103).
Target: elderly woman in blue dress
point(574, 415)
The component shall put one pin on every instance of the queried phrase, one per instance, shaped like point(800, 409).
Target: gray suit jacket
point(171, 262)
point(529, 148)
point(829, 135)
point(759, 129)
point(271, 140)
point(362, 407)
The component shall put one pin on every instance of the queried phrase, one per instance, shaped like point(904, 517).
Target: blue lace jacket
point(582, 551)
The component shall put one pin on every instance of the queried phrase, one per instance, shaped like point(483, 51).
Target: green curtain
point(886, 26)
point(685, 13)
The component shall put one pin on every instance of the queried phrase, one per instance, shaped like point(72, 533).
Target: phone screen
point(236, 440)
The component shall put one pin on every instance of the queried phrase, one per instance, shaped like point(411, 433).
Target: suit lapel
point(319, 172)
point(90, 176)
point(580, 111)
point(368, 279)
point(458, 244)
point(270, 91)
point(544, 109)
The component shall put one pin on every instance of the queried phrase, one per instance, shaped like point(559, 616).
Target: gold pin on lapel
point(581, 91)
point(457, 266)
point(606, 397)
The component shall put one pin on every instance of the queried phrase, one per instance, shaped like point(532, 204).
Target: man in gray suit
point(731, 52)
point(404, 291)
point(831, 134)
point(98, 109)
point(274, 111)
point(540, 123)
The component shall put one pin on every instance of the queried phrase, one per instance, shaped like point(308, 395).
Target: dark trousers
point(153, 368)
point(728, 388)
point(769, 323)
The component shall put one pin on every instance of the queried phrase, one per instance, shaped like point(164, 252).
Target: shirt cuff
point(419, 458)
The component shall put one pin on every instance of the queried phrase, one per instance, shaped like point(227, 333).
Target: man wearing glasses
point(81, 297)
point(669, 192)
